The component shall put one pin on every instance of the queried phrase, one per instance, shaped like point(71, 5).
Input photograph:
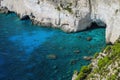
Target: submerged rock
point(76, 51)
point(89, 38)
point(56, 71)
point(87, 57)
point(79, 36)
point(55, 67)
point(61, 48)
point(74, 61)
point(51, 56)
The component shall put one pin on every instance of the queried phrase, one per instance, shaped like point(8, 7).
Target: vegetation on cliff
point(105, 66)
point(67, 8)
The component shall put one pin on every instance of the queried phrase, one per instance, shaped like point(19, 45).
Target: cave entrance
point(25, 17)
point(95, 25)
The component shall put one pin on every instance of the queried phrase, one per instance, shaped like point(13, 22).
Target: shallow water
point(24, 47)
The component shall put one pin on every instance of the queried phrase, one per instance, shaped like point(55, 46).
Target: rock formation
point(104, 66)
point(70, 15)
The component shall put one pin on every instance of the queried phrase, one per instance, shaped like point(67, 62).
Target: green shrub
point(107, 48)
point(96, 55)
point(91, 75)
point(113, 77)
point(70, 4)
point(68, 9)
point(96, 70)
point(103, 62)
point(116, 48)
point(85, 70)
point(58, 8)
point(81, 76)
point(61, 5)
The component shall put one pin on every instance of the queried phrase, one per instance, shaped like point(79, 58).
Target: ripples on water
point(24, 47)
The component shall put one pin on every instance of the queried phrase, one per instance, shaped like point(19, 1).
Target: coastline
point(69, 16)
point(66, 21)
point(104, 65)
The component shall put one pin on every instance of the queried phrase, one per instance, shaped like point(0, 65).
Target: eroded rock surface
point(70, 15)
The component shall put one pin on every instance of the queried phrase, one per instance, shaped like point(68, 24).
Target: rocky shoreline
point(72, 18)
point(70, 15)
point(4, 10)
point(104, 66)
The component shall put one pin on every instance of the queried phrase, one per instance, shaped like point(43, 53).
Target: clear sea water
point(24, 47)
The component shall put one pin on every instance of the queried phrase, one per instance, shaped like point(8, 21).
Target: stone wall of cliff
point(70, 15)
point(65, 15)
point(108, 11)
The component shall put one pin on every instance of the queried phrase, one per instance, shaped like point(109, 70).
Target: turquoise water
point(24, 47)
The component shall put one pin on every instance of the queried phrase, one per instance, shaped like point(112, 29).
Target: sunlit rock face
point(70, 15)
point(108, 11)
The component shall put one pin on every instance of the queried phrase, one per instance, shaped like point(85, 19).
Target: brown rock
point(51, 56)
point(89, 38)
point(72, 62)
point(87, 58)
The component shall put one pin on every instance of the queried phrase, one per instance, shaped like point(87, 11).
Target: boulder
point(76, 51)
point(87, 58)
point(89, 38)
point(74, 61)
point(51, 56)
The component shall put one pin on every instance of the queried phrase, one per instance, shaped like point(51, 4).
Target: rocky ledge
point(70, 15)
point(104, 66)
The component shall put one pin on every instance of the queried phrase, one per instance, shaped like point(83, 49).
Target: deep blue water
point(24, 47)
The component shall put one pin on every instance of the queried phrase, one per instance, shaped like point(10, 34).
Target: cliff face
point(108, 11)
point(67, 15)
point(70, 15)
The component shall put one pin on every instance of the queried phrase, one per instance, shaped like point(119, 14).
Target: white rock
point(83, 13)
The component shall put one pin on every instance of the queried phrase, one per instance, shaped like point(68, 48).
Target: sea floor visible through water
point(30, 52)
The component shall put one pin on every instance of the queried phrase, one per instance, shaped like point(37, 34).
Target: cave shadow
point(93, 26)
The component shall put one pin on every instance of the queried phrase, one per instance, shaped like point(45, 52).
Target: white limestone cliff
point(70, 15)
point(108, 11)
